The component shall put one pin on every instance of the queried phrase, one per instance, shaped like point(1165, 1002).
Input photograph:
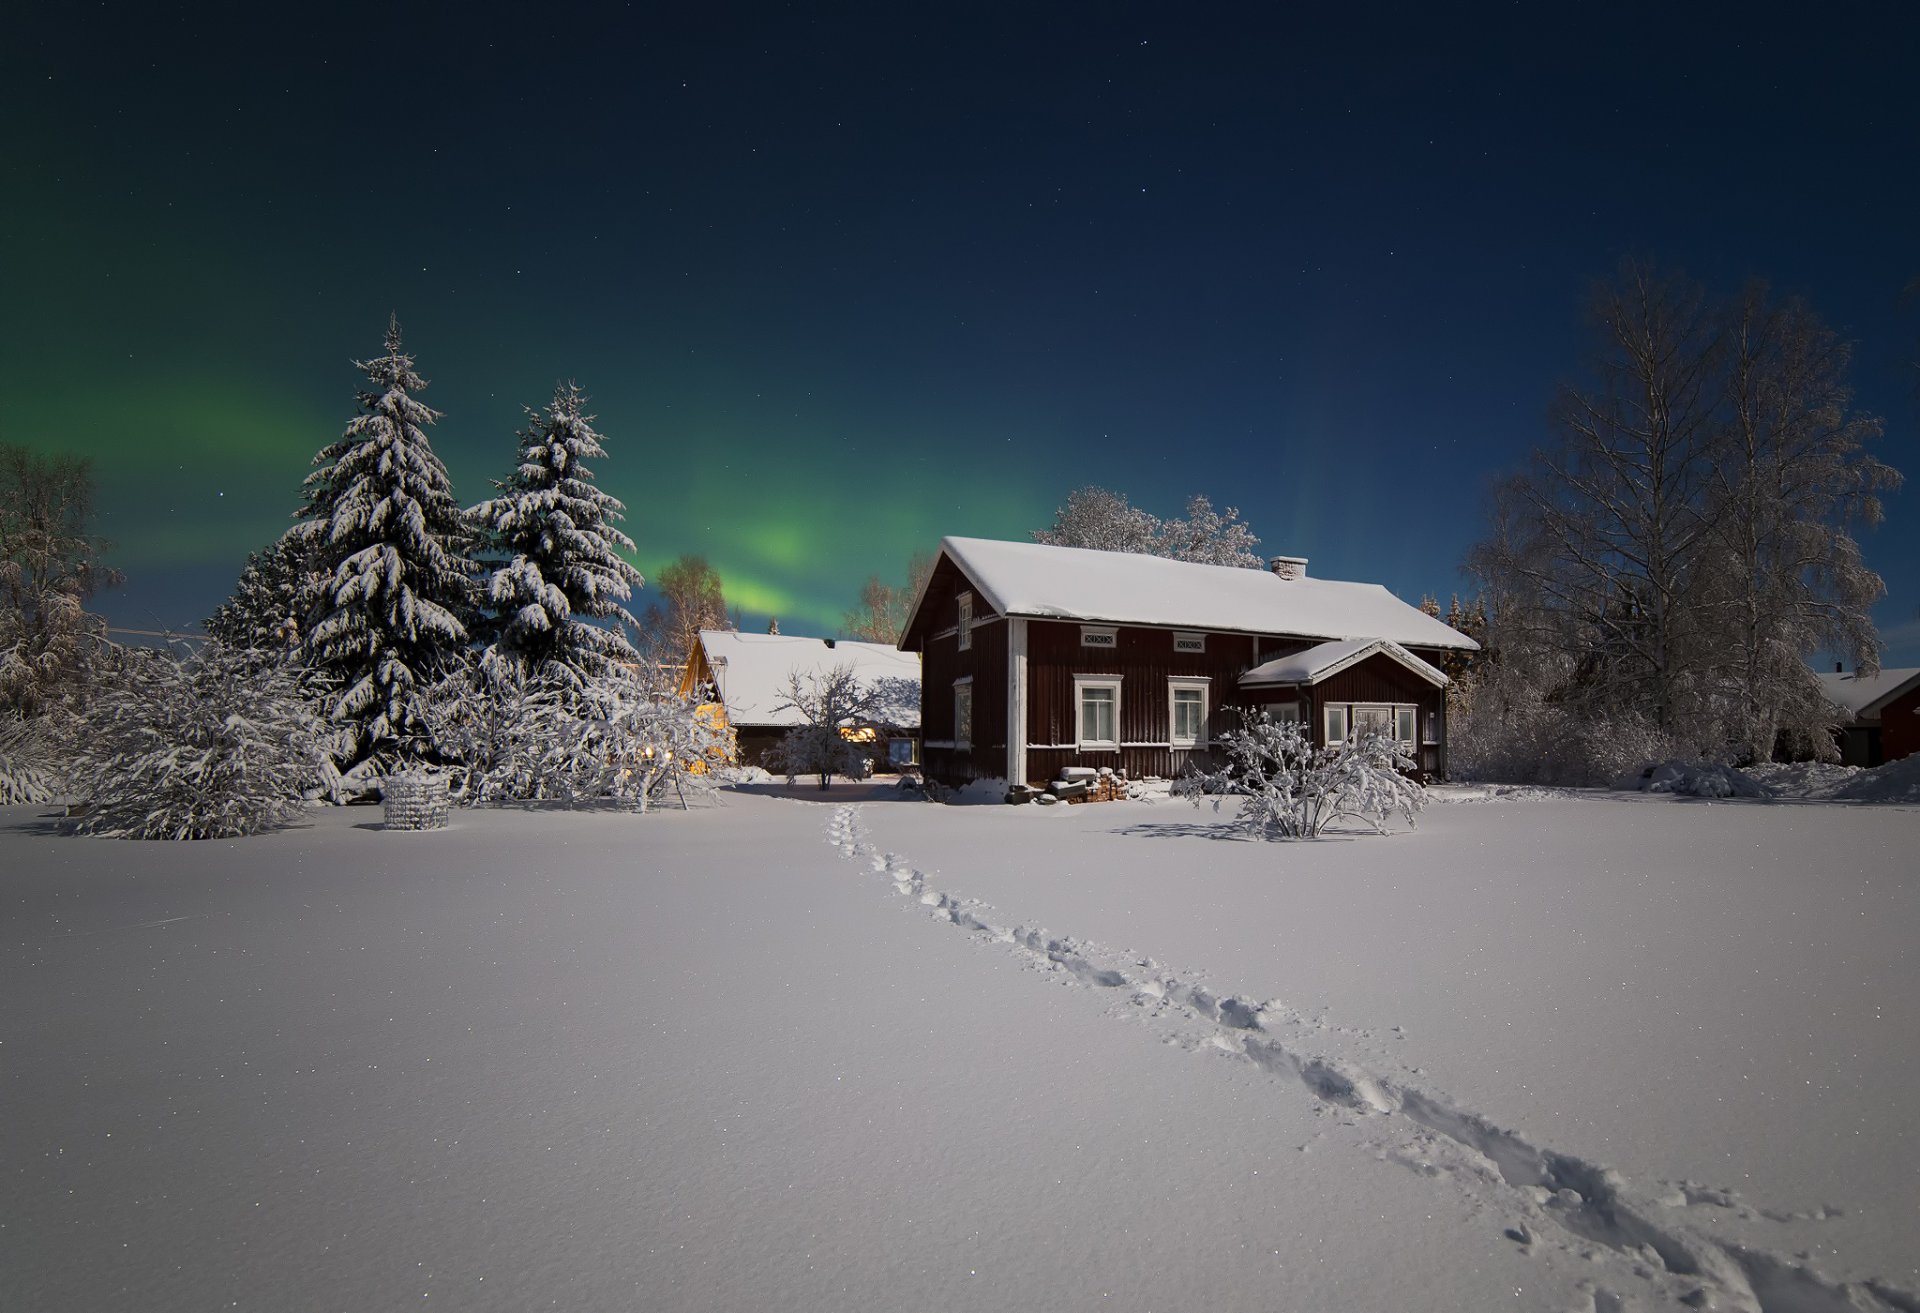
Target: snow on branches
point(28, 770)
point(1290, 789)
point(828, 702)
point(511, 737)
point(1103, 520)
point(387, 542)
point(560, 563)
point(209, 746)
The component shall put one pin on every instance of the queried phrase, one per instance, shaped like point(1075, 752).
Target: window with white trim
point(1187, 712)
point(963, 712)
point(1283, 713)
point(1394, 720)
point(1097, 712)
point(1433, 727)
point(1404, 721)
point(1336, 718)
point(963, 606)
point(1371, 720)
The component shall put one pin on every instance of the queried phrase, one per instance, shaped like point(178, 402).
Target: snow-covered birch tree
point(1105, 521)
point(884, 607)
point(393, 588)
point(688, 598)
point(1790, 480)
point(561, 568)
point(1662, 573)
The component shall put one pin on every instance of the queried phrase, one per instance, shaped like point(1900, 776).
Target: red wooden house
point(1883, 714)
point(1036, 658)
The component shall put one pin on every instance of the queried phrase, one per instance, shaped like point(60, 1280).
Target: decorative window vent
point(1189, 642)
point(1099, 636)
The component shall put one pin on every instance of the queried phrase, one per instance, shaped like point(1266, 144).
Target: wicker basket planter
point(415, 801)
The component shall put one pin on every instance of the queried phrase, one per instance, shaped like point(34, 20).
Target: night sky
point(840, 283)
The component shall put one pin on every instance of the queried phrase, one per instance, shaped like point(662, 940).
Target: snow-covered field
point(1568, 1052)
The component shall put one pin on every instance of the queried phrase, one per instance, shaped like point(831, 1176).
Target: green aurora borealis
point(839, 284)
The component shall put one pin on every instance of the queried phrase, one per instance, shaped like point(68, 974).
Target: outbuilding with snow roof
point(1883, 713)
point(746, 678)
point(1037, 658)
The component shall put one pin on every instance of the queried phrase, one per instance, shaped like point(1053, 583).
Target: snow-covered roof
point(1328, 659)
point(753, 670)
point(1864, 695)
point(1073, 583)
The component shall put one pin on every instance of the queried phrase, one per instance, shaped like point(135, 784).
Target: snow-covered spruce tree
point(50, 565)
point(1293, 790)
point(393, 585)
point(209, 746)
point(553, 531)
point(264, 611)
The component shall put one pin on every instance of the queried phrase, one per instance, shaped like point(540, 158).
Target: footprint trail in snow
point(1639, 1244)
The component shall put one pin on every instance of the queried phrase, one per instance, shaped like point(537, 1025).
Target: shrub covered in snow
point(1525, 739)
point(27, 765)
point(1292, 790)
point(1695, 779)
point(206, 747)
point(508, 737)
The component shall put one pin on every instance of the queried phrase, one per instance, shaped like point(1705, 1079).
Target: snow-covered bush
point(828, 702)
point(28, 772)
point(1289, 789)
point(208, 746)
point(1695, 779)
point(1525, 740)
point(512, 737)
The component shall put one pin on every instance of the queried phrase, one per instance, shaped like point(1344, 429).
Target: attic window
point(963, 606)
point(1183, 642)
point(1099, 636)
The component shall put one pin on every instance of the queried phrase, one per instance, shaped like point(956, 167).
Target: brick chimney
point(1288, 567)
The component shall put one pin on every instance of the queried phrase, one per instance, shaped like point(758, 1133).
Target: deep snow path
point(1644, 1244)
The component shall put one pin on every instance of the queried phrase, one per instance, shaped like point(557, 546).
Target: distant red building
point(1883, 712)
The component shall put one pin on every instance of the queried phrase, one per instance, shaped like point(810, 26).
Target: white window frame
point(1082, 683)
point(1327, 714)
point(963, 686)
point(1176, 686)
point(1350, 712)
point(1104, 637)
point(1189, 642)
point(963, 625)
point(1283, 713)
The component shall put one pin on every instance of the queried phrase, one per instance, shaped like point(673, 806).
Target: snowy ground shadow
point(840, 792)
point(1224, 831)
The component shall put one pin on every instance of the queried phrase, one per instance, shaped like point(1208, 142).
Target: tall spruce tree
point(553, 530)
point(385, 615)
point(263, 614)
